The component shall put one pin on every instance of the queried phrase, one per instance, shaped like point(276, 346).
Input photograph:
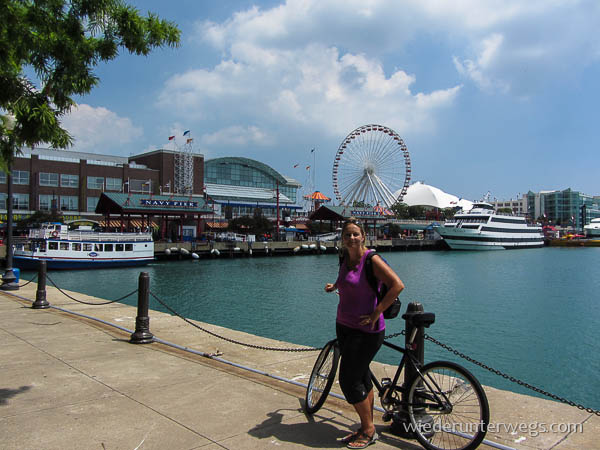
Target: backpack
point(394, 309)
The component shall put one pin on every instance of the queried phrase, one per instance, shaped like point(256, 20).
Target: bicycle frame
point(385, 392)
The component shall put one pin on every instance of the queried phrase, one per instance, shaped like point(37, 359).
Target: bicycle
point(444, 403)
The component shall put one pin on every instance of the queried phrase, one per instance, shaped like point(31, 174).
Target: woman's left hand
point(370, 319)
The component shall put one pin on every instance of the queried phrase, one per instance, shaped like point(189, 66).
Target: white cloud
point(480, 70)
point(238, 136)
point(99, 130)
point(502, 45)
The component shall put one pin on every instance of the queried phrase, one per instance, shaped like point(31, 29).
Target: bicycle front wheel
point(448, 408)
point(322, 377)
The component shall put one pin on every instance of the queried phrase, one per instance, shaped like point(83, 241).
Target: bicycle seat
point(419, 319)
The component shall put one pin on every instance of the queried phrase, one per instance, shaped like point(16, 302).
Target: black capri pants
point(357, 350)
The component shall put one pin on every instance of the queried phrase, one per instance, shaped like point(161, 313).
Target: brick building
point(72, 182)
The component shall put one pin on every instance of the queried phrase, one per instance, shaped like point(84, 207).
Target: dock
point(205, 249)
point(72, 380)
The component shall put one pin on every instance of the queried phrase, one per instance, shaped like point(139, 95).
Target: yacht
point(481, 228)
point(62, 248)
point(593, 229)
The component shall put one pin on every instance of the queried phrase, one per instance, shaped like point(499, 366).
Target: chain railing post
point(401, 424)
point(40, 294)
point(142, 333)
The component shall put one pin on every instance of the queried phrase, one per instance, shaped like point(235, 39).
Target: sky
point(497, 96)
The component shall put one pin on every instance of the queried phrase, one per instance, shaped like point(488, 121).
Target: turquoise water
point(533, 314)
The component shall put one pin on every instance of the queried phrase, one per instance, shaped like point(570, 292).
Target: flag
point(296, 165)
point(171, 138)
point(189, 141)
point(307, 167)
point(185, 133)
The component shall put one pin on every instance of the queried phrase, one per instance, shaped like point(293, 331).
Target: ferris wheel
point(372, 166)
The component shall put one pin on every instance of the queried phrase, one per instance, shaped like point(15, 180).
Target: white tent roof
point(420, 194)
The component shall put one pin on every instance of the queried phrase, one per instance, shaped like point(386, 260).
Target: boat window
point(64, 246)
point(76, 246)
point(128, 247)
point(97, 247)
point(108, 247)
point(87, 247)
point(52, 245)
point(119, 247)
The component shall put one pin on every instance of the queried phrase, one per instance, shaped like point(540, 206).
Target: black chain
point(510, 378)
point(89, 303)
point(30, 281)
point(233, 341)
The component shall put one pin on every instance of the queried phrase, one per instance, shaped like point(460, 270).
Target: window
point(108, 247)
point(119, 247)
point(48, 179)
point(114, 184)
point(68, 203)
point(128, 247)
point(97, 247)
point(95, 182)
point(76, 246)
point(20, 177)
point(2, 177)
point(21, 201)
point(140, 185)
point(52, 245)
point(67, 180)
point(91, 203)
point(3, 201)
point(46, 202)
point(64, 246)
point(87, 247)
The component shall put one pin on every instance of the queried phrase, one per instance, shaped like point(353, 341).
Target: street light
point(9, 279)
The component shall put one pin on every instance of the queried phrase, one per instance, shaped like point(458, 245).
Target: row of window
point(72, 181)
point(88, 247)
point(48, 202)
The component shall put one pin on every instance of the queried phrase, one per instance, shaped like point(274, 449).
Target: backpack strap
point(371, 278)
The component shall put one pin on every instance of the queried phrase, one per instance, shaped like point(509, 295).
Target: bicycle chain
point(511, 378)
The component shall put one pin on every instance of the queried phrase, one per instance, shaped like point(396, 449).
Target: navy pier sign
point(175, 203)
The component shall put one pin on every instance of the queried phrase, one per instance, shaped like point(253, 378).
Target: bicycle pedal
point(387, 416)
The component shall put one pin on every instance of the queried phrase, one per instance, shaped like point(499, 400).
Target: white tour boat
point(481, 228)
point(593, 229)
point(81, 249)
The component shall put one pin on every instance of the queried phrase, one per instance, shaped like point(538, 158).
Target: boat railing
point(89, 236)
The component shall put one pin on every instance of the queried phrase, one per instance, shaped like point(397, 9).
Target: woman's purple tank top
point(357, 298)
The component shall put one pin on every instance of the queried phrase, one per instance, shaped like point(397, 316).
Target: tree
point(39, 217)
point(59, 42)
point(400, 210)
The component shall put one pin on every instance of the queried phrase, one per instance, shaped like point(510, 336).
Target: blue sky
point(496, 95)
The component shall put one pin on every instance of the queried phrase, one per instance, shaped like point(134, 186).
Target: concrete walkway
point(72, 383)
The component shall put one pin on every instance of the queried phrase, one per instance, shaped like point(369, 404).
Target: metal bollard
point(142, 333)
point(40, 294)
point(401, 425)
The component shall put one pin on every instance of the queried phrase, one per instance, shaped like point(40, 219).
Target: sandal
point(363, 440)
point(350, 437)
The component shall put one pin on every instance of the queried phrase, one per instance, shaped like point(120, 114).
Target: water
point(530, 313)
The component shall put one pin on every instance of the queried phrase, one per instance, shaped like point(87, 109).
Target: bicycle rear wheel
point(322, 377)
point(460, 420)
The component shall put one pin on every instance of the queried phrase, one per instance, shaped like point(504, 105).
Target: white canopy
point(420, 194)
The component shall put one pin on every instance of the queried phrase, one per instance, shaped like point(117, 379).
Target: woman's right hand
point(330, 287)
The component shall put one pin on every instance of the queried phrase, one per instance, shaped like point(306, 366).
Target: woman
point(360, 326)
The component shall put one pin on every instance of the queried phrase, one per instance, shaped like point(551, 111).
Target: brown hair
point(350, 221)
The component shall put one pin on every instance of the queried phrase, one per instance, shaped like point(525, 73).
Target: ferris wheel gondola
point(371, 166)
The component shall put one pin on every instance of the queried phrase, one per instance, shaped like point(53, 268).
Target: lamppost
point(8, 279)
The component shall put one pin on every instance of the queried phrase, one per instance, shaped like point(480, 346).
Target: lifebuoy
point(54, 233)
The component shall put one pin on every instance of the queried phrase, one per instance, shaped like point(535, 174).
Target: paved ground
point(72, 383)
